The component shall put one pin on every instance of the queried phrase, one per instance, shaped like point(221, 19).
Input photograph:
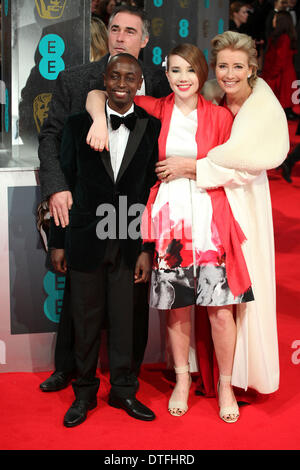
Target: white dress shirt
point(293, 15)
point(117, 139)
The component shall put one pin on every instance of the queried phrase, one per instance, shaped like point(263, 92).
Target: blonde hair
point(99, 39)
point(236, 42)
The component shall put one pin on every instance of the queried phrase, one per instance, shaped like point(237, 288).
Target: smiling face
point(182, 77)
point(122, 79)
point(125, 34)
point(232, 72)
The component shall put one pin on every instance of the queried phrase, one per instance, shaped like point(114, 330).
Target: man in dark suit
point(102, 246)
point(128, 32)
point(279, 5)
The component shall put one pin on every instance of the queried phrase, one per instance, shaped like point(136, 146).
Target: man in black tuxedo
point(102, 246)
point(128, 31)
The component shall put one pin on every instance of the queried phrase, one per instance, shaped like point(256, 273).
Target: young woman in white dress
point(193, 227)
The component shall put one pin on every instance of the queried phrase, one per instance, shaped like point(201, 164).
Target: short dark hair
point(128, 56)
point(133, 11)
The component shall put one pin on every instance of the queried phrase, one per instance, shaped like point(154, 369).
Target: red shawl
point(214, 126)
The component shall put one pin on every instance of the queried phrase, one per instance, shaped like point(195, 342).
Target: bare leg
point(224, 338)
point(179, 330)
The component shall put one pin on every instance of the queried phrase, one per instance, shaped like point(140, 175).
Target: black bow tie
point(128, 120)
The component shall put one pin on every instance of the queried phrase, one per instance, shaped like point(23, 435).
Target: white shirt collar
point(110, 111)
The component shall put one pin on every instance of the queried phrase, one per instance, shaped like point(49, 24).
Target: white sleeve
point(210, 175)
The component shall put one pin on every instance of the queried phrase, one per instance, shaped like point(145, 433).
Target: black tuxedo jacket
point(90, 178)
point(69, 97)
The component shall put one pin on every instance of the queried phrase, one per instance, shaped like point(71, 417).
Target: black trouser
point(109, 290)
point(64, 349)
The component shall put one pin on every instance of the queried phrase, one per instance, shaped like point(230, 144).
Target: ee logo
point(6, 112)
point(184, 28)
point(157, 58)
point(4, 99)
point(6, 7)
point(221, 26)
point(51, 48)
point(54, 285)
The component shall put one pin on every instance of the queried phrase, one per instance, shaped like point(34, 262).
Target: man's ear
point(140, 83)
point(145, 42)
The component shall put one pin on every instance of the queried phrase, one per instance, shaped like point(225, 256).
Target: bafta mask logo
point(206, 28)
point(184, 3)
point(50, 9)
point(41, 108)
point(157, 26)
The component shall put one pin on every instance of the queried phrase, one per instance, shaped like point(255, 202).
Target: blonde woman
point(99, 40)
point(259, 141)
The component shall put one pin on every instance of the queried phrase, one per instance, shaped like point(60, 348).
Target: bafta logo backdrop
point(177, 21)
point(50, 9)
point(40, 109)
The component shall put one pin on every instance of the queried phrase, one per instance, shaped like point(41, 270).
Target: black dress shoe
point(133, 407)
point(56, 381)
point(286, 172)
point(77, 413)
point(290, 115)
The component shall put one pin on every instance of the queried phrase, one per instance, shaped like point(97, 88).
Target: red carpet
point(30, 419)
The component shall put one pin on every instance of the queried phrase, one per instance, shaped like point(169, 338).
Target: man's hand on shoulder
point(59, 205)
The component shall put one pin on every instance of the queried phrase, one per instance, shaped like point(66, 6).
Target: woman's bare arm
point(97, 136)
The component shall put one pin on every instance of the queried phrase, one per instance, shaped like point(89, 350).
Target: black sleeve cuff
point(149, 247)
point(56, 236)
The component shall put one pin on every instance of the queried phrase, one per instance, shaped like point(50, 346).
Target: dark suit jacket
point(89, 176)
point(69, 97)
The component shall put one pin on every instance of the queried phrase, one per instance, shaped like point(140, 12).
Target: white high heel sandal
point(226, 411)
point(176, 407)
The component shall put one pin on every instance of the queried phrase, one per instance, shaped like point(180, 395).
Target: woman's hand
point(97, 137)
point(176, 167)
point(58, 260)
